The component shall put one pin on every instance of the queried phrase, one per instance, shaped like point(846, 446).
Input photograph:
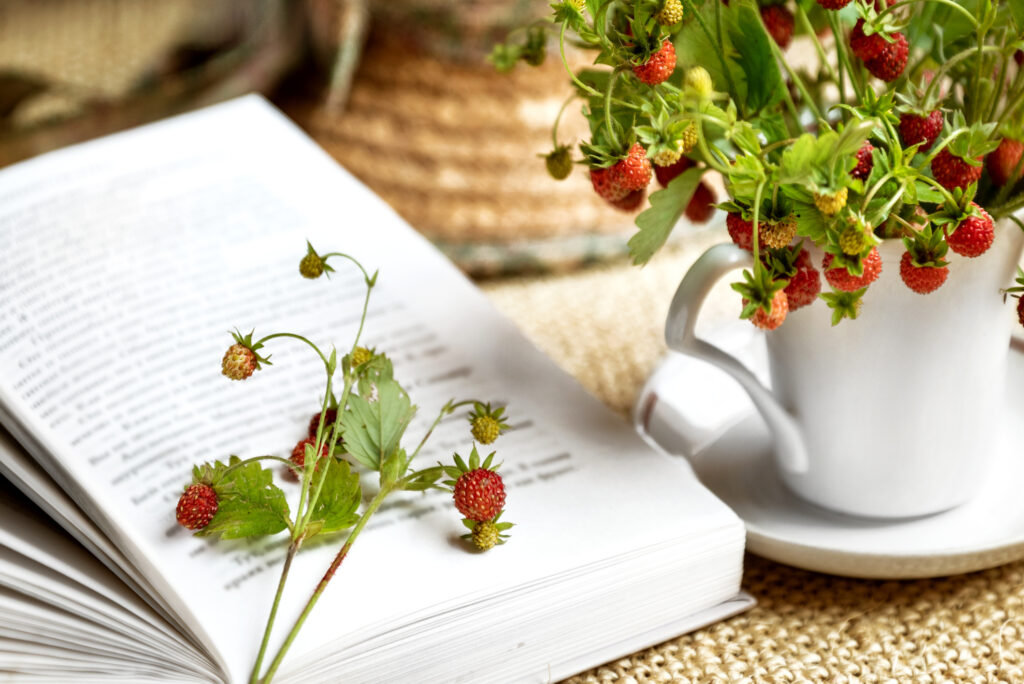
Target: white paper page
point(158, 240)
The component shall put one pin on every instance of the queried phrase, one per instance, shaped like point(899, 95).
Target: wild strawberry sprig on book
point(357, 430)
point(907, 124)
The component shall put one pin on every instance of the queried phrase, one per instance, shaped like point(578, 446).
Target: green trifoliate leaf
point(372, 428)
point(656, 222)
point(336, 509)
point(248, 503)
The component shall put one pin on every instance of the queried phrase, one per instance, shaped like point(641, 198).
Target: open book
point(123, 261)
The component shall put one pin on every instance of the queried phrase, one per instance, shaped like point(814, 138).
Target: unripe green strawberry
point(830, 205)
point(668, 156)
point(699, 80)
point(311, 266)
point(671, 13)
point(486, 424)
point(559, 163)
point(485, 429)
point(485, 535)
point(689, 137)
point(197, 506)
point(360, 355)
point(777, 234)
point(852, 240)
point(239, 362)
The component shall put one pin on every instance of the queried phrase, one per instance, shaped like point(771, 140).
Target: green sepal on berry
point(758, 290)
point(242, 358)
point(570, 13)
point(927, 248)
point(976, 142)
point(955, 208)
point(462, 466)
point(843, 304)
point(487, 424)
point(313, 265)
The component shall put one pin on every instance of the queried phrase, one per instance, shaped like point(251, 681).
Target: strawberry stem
point(297, 337)
point(293, 548)
point(335, 564)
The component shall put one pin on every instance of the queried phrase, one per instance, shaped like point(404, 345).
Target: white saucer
point(691, 409)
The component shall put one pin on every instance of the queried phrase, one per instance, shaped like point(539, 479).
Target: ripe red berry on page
point(197, 506)
point(479, 494)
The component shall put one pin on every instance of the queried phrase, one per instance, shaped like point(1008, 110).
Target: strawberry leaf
point(339, 499)
point(372, 428)
point(657, 221)
point(249, 504)
point(750, 40)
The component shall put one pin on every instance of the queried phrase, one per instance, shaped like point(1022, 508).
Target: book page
point(123, 263)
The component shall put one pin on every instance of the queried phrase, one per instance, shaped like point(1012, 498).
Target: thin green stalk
point(565, 62)
point(613, 137)
point(293, 548)
point(948, 3)
point(799, 86)
point(296, 337)
point(702, 144)
point(805, 23)
point(558, 119)
point(953, 61)
point(757, 226)
point(447, 410)
point(306, 504)
point(370, 510)
point(844, 59)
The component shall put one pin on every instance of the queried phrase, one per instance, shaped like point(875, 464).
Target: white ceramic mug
point(894, 414)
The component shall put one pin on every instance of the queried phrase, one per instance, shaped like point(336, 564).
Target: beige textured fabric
point(604, 326)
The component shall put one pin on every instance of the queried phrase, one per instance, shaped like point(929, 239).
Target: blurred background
point(398, 91)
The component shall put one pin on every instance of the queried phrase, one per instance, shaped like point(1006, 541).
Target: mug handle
point(681, 337)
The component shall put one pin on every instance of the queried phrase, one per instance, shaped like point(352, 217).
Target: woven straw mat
point(604, 326)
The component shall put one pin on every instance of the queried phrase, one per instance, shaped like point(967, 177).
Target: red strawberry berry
point(314, 422)
point(771, 321)
point(952, 171)
point(839, 278)
point(890, 62)
point(634, 171)
point(780, 23)
point(922, 279)
point(863, 46)
point(666, 174)
point(1018, 56)
point(920, 129)
point(605, 186)
point(239, 362)
point(659, 67)
point(1004, 160)
point(702, 205)
point(632, 201)
point(833, 4)
point(197, 506)
point(865, 161)
point(805, 285)
point(1020, 307)
point(741, 232)
point(973, 236)
point(479, 494)
point(298, 457)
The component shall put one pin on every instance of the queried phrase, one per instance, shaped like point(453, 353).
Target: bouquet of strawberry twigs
point(905, 121)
